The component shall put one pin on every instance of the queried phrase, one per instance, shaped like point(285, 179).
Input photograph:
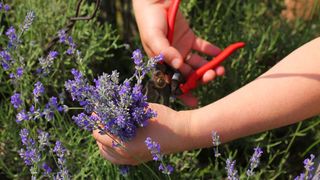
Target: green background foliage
point(105, 44)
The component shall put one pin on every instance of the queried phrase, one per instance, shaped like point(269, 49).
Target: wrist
point(201, 124)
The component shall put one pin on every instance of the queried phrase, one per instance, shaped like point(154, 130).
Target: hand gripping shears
point(172, 80)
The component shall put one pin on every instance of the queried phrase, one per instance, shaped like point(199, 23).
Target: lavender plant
point(231, 171)
point(216, 142)
point(154, 149)
point(34, 150)
point(308, 166)
point(254, 161)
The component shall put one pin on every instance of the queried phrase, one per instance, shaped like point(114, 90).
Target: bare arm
point(286, 94)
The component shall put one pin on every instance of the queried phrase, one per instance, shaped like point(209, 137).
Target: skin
point(287, 93)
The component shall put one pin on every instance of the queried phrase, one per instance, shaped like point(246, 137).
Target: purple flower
point(154, 148)
point(50, 108)
point(52, 55)
point(16, 100)
point(254, 160)
point(47, 169)
point(124, 170)
point(1, 5)
point(5, 56)
point(141, 68)
point(231, 171)
point(12, 76)
point(308, 166)
point(121, 107)
point(308, 163)
point(302, 176)
point(5, 60)
point(137, 57)
point(38, 90)
point(19, 71)
point(6, 7)
point(166, 169)
point(72, 46)
point(47, 62)
point(22, 116)
point(11, 34)
point(80, 90)
point(43, 139)
point(30, 155)
point(62, 36)
point(24, 133)
point(216, 142)
point(28, 20)
point(85, 122)
point(59, 149)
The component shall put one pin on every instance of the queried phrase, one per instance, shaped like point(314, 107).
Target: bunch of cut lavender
point(110, 106)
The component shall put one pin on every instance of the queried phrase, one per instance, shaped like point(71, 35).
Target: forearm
point(287, 93)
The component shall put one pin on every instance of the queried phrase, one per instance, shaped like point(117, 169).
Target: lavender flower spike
point(137, 57)
point(16, 100)
point(11, 34)
point(308, 163)
point(154, 148)
point(254, 161)
point(6, 7)
point(28, 21)
point(38, 90)
point(231, 171)
point(60, 151)
point(216, 142)
point(308, 166)
point(62, 36)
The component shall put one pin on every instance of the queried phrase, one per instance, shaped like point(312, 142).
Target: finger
point(185, 70)
point(208, 76)
point(189, 100)
point(211, 74)
point(220, 70)
point(205, 47)
point(111, 156)
point(161, 45)
point(195, 61)
point(106, 140)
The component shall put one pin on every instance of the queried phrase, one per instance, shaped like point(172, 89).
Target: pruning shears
point(170, 82)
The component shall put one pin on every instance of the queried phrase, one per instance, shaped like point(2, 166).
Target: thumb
point(158, 43)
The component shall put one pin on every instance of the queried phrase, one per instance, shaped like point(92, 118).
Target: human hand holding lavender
point(169, 128)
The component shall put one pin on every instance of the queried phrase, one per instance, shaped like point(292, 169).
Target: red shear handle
point(171, 18)
point(195, 76)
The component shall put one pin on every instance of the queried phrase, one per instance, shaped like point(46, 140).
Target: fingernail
point(176, 63)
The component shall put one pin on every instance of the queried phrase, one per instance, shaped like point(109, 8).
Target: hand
point(151, 17)
point(169, 129)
